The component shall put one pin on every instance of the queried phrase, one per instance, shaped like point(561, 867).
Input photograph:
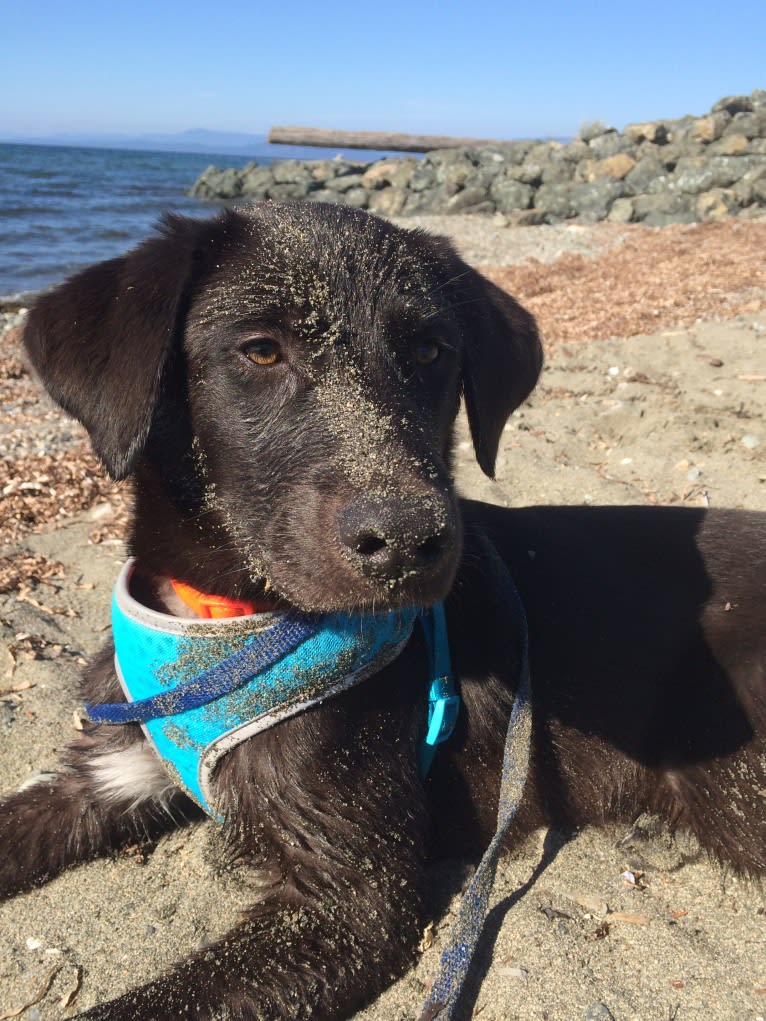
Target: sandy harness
point(200, 687)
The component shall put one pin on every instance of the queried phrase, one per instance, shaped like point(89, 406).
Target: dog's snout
point(394, 539)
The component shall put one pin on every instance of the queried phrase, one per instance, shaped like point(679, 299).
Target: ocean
point(62, 208)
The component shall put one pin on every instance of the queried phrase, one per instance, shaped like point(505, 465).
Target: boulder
point(508, 194)
point(710, 128)
point(593, 201)
point(390, 171)
point(617, 166)
point(715, 204)
point(389, 201)
point(733, 105)
point(555, 201)
point(662, 209)
point(622, 210)
point(655, 132)
point(256, 180)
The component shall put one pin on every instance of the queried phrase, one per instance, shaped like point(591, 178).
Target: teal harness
point(201, 687)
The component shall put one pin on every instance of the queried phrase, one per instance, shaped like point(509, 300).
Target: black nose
point(395, 539)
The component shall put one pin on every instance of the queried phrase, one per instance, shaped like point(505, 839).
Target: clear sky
point(490, 68)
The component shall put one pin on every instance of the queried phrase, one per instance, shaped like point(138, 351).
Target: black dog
point(281, 384)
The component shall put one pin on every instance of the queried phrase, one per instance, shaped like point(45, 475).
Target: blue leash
point(457, 957)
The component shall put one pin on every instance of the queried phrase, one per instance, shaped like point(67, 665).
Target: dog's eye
point(263, 352)
point(427, 351)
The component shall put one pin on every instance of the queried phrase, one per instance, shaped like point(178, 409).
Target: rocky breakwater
point(668, 171)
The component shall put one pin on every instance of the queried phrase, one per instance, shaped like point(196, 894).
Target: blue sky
point(490, 68)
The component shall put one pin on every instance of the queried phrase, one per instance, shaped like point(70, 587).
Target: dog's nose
point(394, 539)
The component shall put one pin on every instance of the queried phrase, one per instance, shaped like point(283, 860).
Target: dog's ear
point(100, 341)
point(502, 360)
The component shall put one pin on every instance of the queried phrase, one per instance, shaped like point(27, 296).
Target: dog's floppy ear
point(100, 341)
point(502, 360)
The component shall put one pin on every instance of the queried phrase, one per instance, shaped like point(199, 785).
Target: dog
point(281, 383)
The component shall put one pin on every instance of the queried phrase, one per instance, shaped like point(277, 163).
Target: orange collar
point(215, 607)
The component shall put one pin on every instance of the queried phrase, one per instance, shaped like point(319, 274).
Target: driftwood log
point(381, 140)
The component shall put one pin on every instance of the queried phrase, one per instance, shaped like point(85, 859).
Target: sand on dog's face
point(347, 304)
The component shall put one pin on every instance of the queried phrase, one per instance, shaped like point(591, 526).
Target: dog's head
point(282, 382)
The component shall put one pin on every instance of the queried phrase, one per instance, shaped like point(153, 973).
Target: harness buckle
point(444, 707)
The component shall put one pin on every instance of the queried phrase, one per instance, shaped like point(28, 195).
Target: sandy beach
point(654, 392)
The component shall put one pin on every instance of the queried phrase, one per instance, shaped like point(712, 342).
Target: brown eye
point(426, 352)
point(263, 352)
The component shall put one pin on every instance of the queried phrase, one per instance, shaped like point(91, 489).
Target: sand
point(675, 415)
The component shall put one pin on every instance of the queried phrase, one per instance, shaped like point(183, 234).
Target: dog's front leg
point(342, 832)
point(110, 792)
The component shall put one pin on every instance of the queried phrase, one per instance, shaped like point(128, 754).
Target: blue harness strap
point(228, 675)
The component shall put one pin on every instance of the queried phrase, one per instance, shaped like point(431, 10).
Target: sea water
point(62, 208)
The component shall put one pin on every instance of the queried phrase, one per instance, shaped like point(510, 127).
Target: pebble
point(513, 973)
point(599, 1012)
point(750, 441)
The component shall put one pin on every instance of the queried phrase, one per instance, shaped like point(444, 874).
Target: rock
point(357, 197)
point(558, 170)
point(751, 125)
point(594, 129)
point(758, 190)
point(526, 217)
point(653, 131)
point(391, 171)
point(213, 184)
point(694, 175)
point(515, 152)
point(751, 187)
point(647, 172)
point(530, 172)
point(389, 202)
point(323, 170)
point(664, 208)
point(509, 195)
point(345, 182)
point(622, 211)
point(617, 166)
point(593, 201)
point(289, 192)
point(291, 172)
point(697, 174)
point(324, 195)
point(715, 204)
point(228, 183)
point(599, 1012)
point(455, 172)
point(609, 145)
point(256, 180)
point(731, 145)
point(555, 200)
point(467, 201)
point(710, 128)
point(733, 105)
